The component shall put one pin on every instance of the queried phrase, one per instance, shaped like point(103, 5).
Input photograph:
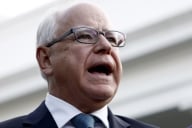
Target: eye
point(86, 36)
point(83, 36)
point(115, 38)
point(111, 39)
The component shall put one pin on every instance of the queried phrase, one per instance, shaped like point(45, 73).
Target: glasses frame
point(73, 30)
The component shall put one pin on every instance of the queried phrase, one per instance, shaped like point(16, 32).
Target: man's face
point(85, 74)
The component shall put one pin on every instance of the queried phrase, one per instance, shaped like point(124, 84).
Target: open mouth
point(101, 68)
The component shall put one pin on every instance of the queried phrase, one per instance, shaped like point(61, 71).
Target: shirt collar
point(102, 114)
point(62, 111)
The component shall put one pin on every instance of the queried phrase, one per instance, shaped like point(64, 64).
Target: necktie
point(83, 121)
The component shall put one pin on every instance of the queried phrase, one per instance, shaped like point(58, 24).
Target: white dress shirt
point(62, 112)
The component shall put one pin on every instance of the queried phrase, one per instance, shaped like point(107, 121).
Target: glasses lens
point(116, 38)
point(86, 35)
point(91, 36)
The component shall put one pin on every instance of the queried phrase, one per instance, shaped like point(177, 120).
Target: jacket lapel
point(124, 122)
point(116, 122)
point(40, 118)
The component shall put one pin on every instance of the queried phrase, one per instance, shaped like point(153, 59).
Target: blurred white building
point(157, 83)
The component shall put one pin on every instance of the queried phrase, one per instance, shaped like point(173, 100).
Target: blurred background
point(157, 82)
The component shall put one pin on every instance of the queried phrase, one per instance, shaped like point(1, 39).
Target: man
point(77, 53)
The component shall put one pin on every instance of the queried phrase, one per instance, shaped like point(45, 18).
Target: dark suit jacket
point(41, 118)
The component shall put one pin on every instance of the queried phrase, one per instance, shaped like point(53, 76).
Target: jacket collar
point(116, 122)
point(40, 118)
point(124, 122)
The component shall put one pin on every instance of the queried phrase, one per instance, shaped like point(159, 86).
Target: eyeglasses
point(87, 35)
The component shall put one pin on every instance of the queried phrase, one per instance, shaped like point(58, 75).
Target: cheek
point(119, 68)
point(80, 53)
point(117, 58)
point(77, 58)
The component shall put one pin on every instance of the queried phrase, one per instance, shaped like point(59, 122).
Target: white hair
point(47, 29)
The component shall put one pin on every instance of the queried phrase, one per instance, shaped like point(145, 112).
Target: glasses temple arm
point(60, 38)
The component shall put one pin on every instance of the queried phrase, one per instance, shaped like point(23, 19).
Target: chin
point(98, 103)
point(103, 95)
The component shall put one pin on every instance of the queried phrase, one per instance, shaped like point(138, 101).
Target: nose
point(103, 46)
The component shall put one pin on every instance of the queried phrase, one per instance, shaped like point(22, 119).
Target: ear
point(43, 58)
